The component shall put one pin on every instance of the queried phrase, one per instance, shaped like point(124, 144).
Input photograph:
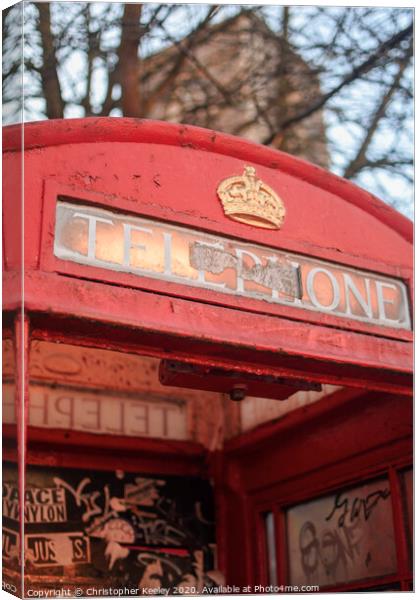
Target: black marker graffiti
point(342, 545)
point(357, 507)
point(334, 547)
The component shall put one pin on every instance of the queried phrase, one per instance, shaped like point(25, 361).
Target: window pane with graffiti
point(118, 529)
point(10, 529)
point(347, 536)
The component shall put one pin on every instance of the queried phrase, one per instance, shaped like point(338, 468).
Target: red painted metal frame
point(70, 449)
point(75, 131)
point(21, 348)
point(404, 574)
point(185, 456)
point(65, 304)
point(404, 566)
point(285, 346)
point(322, 466)
point(203, 352)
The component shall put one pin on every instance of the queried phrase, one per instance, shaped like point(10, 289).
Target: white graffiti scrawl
point(128, 528)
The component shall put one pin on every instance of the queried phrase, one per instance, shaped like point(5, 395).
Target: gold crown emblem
point(249, 200)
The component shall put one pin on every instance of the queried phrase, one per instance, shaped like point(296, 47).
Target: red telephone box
point(168, 272)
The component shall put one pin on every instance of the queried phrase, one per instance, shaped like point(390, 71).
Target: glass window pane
point(270, 537)
point(407, 491)
point(118, 529)
point(343, 537)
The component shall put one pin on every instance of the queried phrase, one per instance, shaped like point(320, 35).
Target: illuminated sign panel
point(124, 243)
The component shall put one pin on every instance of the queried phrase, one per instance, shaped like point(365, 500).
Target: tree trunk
point(49, 74)
point(128, 64)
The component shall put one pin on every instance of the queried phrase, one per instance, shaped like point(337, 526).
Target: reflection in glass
point(270, 537)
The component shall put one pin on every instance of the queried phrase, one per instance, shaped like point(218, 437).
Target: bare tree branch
point(359, 161)
point(332, 85)
point(184, 54)
point(364, 67)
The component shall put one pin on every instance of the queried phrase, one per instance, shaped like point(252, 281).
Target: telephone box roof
point(116, 129)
